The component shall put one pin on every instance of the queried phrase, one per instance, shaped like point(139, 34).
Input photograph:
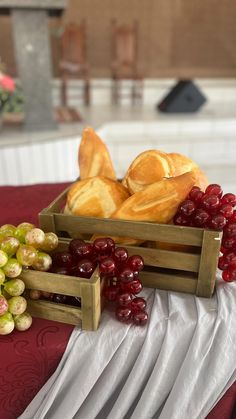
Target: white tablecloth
point(176, 367)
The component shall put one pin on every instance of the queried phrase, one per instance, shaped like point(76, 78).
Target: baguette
point(158, 202)
point(94, 158)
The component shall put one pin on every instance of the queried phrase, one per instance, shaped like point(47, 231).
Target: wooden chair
point(73, 60)
point(125, 60)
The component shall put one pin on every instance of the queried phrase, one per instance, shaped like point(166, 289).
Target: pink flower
point(7, 83)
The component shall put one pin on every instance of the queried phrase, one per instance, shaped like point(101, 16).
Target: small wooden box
point(89, 290)
point(193, 273)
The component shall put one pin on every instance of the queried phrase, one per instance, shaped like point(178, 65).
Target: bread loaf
point(94, 158)
point(157, 202)
point(148, 167)
point(95, 197)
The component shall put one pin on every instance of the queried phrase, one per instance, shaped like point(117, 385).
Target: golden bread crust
point(94, 158)
point(181, 163)
point(157, 202)
point(95, 197)
point(147, 168)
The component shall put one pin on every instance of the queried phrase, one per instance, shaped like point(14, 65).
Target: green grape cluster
point(21, 247)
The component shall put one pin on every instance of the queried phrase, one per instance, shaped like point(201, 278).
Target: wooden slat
point(167, 259)
point(56, 203)
point(45, 281)
point(91, 303)
point(57, 312)
point(208, 263)
point(169, 282)
point(139, 230)
point(46, 223)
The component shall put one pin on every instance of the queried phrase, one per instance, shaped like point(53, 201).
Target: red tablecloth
point(28, 359)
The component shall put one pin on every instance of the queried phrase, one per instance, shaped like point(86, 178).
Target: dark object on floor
point(184, 97)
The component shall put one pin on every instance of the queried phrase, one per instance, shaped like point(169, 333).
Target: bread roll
point(95, 197)
point(157, 202)
point(183, 164)
point(94, 158)
point(148, 167)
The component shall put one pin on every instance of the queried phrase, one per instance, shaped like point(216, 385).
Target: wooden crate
point(193, 273)
point(89, 290)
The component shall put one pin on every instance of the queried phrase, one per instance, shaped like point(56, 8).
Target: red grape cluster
point(119, 271)
point(211, 209)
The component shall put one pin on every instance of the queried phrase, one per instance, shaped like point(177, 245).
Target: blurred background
point(145, 74)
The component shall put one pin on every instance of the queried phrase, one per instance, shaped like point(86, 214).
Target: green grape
point(10, 245)
point(26, 255)
point(3, 258)
point(6, 324)
point(7, 230)
point(50, 243)
point(23, 321)
point(12, 269)
point(21, 231)
point(35, 237)
point(43, 262)
point(14, 287)
point(17, 305)
point(2, 277)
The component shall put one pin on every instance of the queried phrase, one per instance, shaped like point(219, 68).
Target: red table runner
point(28, 359)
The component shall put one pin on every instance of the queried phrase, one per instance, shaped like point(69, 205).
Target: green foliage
point(11, 102)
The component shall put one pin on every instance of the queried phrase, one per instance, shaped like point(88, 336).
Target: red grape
point(135, 287)
point(123, 314)
point(124, 299)
point(218, 222)
point(138, 304)
point(135, 263)
point(140, 318)
point(229, 243)
point(230, 230)
point(80, 250)
point(110, 245)
point(227, 275)
point(214, 189)
point(180, 220)
point(233, 218)
point(226, 210)
point(228, 198)
point(107, 266)
point(120, 255)
point(126, 275)
point(62, 259)
point(84, 268)
point(101, 246)
point(187, 208)
point(230, 258)
point(210, 202)
point(201, 217)
point(222, 264)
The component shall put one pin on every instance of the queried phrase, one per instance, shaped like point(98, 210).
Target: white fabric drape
point(176, 367)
